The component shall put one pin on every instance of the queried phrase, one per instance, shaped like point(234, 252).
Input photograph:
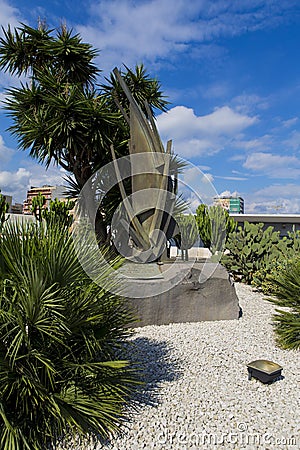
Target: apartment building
point(233, 204)
point(49, 192)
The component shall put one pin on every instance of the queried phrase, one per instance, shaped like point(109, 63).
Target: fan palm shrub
point(60, 339)
point(287, 295)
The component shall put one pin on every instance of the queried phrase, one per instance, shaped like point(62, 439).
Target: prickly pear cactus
point(249, 250)
point(284, 253)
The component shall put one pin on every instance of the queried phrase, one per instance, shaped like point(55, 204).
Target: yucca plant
point(287, 322)
point(60, 337)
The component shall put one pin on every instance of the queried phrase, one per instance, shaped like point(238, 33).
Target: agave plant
point(60, 337)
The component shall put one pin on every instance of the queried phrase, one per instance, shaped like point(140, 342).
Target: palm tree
point(60, 115)
point(60, 337)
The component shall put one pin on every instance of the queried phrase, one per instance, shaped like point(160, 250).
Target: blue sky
point(230, 69)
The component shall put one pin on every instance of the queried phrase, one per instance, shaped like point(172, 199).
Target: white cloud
point(275, 166)
point(40, 176)
point(247, 103)
point(207, 178)
point(278, 190)
point(222, 121)
point(238, 157)
point(275, 199)
point(14, 183)
point(9, 15)
point(130, 32)
point(290, 122)
point(217, 90)
point(192, 174)
point(197, 135)
point(260, 143)
point(17, 182)
point(127, 32)
point(293, 141)
point(231, 178)
point(196, 186)
point(6, 153)
point(229, 194)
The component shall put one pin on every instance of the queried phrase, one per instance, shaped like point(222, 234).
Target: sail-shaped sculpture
point(150, 179)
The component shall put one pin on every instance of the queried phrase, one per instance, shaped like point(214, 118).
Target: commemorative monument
point(160, 289)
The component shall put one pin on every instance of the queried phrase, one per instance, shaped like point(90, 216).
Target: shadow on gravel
point(156, 366)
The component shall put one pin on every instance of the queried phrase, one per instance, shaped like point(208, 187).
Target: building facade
point(49, 192)
point(16, 208)
point(233, 204)
point(13, 208)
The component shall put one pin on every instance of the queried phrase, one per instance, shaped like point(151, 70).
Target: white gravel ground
point(198, 395)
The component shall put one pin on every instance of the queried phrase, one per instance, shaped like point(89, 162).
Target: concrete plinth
point(187, 300)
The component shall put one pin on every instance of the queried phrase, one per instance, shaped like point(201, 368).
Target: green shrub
point(249, 250)
point(60, 337)
point(287, 322)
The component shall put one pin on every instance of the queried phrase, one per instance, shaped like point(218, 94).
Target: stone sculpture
point(150, 178)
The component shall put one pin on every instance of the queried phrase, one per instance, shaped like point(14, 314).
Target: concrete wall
point(280, 222)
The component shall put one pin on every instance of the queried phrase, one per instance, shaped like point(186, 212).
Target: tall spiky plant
point(188, 233)
point(215, 226)
point(3, 209)
point(37, 206)
point(59, 212)
point(60, 334)
point(287, 322)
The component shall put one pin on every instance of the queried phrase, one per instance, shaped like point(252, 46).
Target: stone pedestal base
point(188, 300)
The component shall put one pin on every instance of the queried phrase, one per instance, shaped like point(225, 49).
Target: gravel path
point(198, 395)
